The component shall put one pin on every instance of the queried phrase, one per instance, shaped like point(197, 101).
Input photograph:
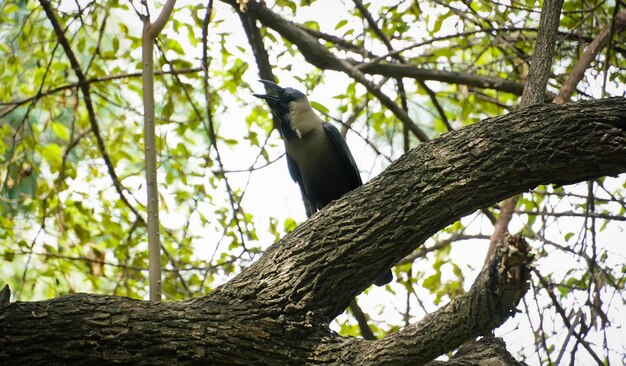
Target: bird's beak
point(273, 86)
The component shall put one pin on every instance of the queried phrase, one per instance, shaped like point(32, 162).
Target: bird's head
point(285, 100)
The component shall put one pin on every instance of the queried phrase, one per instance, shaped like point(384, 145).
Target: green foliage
point(64, 227)
point(56, 191)
point(436, 284)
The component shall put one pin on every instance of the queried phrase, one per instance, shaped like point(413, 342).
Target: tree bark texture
point(277, 311)
point(541, 62)
point(488, 351)
point(95, 329)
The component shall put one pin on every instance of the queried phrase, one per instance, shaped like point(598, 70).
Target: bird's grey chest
point(312, 152)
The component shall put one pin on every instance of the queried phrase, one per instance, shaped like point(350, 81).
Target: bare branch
point(410, 71)
point(565, 318)
point(159, 23)
point(361, 319)
point(541, 63)
point(591, 51)
point(501, 225)
point(149, 34)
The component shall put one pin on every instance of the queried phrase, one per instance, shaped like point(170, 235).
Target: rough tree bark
point(277, 311)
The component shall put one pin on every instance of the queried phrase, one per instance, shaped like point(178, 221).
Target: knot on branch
point(489, 350)
point(509, 269)
point(515, 258)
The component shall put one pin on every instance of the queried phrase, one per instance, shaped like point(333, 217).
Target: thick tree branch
point(487, 351)
point(95, 329)
point(491, 300)
point(541, 62)
point(279, 308)
point(331, 258)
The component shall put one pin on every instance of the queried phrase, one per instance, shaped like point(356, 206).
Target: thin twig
point(84, 87)
point(591, 51)
point(211, 126)
point(564, 318)
point(361, 319)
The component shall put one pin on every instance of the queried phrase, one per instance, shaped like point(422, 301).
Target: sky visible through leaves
point(64, 229)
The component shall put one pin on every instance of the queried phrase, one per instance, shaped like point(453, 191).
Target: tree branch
point(487, 351)
point(478, 81)
point(48, 92)
point(541, 63)
point(590, 53)
point(279, 308)
point(84, 87)
point(565, 318)
point(260, 54)
point(539, 145)
point(491, 300)
point(501, 225)
point(361, 320)
point(149, 35)
point(157, 26)
point(534, 93)
point(399, 81)
point(320, 56)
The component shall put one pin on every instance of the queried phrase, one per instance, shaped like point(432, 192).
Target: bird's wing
point(294, 171)
point(344, 154)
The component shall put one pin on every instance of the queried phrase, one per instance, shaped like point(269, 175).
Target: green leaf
point(173, 45)
point(8, 255)
point(289, 225)
point(433, 282)
point(60, 131)
point(52, 153)
point(10, 8)
point(311, 24)
point(319, 107)
point(168, 110)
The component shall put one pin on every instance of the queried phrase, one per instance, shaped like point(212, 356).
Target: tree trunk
point(277, 311)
